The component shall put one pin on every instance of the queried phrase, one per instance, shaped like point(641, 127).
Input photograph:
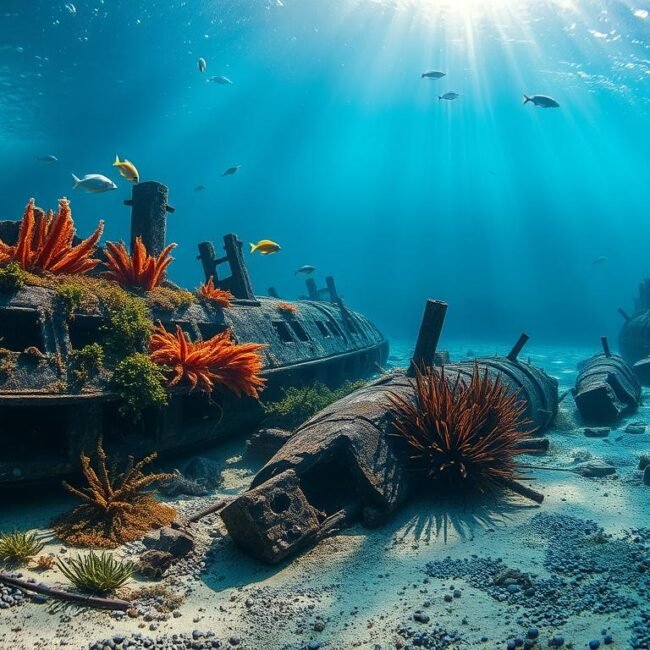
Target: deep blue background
point(348, 159)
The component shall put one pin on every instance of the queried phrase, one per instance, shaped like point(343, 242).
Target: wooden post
point(273, 293)
point(240, 282)
point(605, 343)
point(208, 258)
point(331, 287)
point(311, 289)
point(149, 215)
point(623, 313)
point(518, 347)
point(429, 335)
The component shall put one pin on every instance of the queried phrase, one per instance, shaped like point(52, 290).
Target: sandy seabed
point(428, 578)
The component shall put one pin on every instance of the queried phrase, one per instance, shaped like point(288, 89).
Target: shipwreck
point(48, 417)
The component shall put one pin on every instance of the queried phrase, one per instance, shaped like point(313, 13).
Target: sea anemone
point(116, 509)
point(202, 364)
point(137, 269)
point(98, 573)
point(19, 547)
point(215, 295)
point(287, 308)
point(45, 243)
point(462, 437)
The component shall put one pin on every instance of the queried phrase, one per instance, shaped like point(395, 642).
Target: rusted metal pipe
point(430, 328)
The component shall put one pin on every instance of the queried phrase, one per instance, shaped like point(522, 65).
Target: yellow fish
point(127, 169)
point(265, 247)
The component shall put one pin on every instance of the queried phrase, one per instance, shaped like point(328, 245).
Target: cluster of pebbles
point(10, 596)
point(196, 640)
point(589, 572)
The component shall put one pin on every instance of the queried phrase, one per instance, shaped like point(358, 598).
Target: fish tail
point(253, 247)
point(117, 161)
point(439, 97)
point(527, 99)
point(76, 182)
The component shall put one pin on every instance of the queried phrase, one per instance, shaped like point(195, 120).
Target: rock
point(635, 427)
point(644, 461)
point(594, 469)
point(596, 432)
point(204, 471)
point(176, 542)
point(153, 563)
point(646, 475)
point(266, 442)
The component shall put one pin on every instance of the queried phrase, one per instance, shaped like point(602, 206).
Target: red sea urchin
point(462, 437)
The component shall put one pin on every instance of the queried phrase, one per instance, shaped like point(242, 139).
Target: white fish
point(202, 63)
point(93, 183)
point(543, 101)
point(449, 96)
point(220, 79)
point(48, 159)
point(71, 8)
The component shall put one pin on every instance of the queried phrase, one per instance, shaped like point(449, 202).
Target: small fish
point(202, 63)
point(93, 183)
point(599, 260)
point(433, 74)
point(48, 159)
point(265, 247)
point(543, 101)
point(231, 170)
point(306, 269)
point(199, 188)
point(127, 169)
point(220, 79)
point(449, 96)
point(70, 8)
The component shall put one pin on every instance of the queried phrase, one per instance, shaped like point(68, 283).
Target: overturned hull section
point(342, 464)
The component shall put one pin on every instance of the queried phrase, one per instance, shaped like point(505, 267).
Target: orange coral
point(202, 364)
point(287, 308)
point(138, 269)
point(45, 243)
point(218, 296)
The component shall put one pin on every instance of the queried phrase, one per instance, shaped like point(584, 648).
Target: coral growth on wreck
point(117, 507)
point(217, 296)
point(287, 308)
point(202, 364)
point(45, 243)
point(138, 268)
point(462, 437)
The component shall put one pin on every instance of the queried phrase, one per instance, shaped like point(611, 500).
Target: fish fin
point(253, 247)
point(76, 182)
point(527, 99)
point(117, 161)
point(264, 252)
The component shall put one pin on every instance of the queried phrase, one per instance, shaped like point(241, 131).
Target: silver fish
point(48, 159)
point(306, 269)
point(543, 101)
point(231, 170)
point(202, 63)
point(220, 79)
point(93, 183)
point(449, 96)
point(433, 74)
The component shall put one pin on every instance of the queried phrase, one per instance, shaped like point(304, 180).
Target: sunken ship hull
point(45, 425)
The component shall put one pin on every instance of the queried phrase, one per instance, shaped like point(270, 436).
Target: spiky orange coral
point(202, 364)
point(214, 294)
point(138, 269)
point(45, 243)
point(287, 308)
point(462, 436)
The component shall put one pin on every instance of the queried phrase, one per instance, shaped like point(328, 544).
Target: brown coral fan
point(203, 364)
point(462, 437)
point(116, 509)
point(213, 294)
point(287, 308)
point(45, 243)
point(138, 269)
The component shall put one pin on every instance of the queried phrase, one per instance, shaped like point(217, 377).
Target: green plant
point(128, 325)
point(298, 404)
point(12, 277)
point(70, 296)
point(169, 299)
point(87, 360)
point(99, 573)
point(19, 547)
point(139, 383)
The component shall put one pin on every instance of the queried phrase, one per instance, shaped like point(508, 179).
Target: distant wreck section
point(342, 465)
point(48, 416)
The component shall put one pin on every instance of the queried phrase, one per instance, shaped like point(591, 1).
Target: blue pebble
point(557, 641)
point(608, 639)
point(594, 643)
point(511, 645)
point(519, 642)
point(533, 633)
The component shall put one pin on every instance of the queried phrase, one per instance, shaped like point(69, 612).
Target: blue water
point(348, 159)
